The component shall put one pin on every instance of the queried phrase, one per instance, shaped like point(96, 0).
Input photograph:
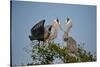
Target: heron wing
point(47, 31)
point(38, 28)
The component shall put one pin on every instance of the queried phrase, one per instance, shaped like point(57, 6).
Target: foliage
point(47, 54)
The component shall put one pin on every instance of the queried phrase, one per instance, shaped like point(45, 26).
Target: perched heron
point(70, 41)
point(54, 30)
point(44, 33)
point(68, 26)
point(38, 31)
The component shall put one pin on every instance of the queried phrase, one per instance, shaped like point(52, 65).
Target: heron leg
point(38, 43)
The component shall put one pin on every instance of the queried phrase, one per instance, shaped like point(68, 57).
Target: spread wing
point(38, 28)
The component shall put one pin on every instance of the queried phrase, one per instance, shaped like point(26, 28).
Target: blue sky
point(26, 14)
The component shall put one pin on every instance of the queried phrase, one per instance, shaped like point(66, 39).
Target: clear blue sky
point(26, 14)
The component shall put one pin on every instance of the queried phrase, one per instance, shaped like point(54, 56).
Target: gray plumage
point(54, 30)
point(70, 41)
point(39, 32)
point(71, 44)
point(44, 33)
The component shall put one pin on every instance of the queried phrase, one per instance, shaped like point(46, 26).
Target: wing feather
point(38, 28)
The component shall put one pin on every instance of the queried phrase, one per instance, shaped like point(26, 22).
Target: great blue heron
point(38, 31)
point(70, 41)
point(44, 33)
point(68, 26)
point(54, 30)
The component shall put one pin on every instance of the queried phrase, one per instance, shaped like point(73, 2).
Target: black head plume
point(57, 19)
point(67, 19)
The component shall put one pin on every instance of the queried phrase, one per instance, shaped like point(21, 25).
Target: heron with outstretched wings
point(39, 32)
point(42, 33)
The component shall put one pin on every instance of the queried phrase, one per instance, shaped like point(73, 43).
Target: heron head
point(56, 23)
